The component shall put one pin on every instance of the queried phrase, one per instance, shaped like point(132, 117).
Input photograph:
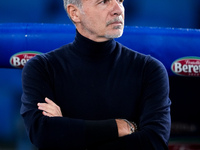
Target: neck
point(90, 35)
point(86, 46)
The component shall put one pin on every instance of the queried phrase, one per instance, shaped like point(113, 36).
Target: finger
point(54, 106)
point(47, 114)
point(45, 107)
point(49, 101)
point(50, 109)
point(45, 110)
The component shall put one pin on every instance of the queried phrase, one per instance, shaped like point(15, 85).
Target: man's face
point(101, 20)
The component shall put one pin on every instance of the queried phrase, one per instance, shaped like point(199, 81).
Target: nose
point(118, 8)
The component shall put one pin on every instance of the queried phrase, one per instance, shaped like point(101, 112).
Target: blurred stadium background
point(165, 13)
point(145, 13)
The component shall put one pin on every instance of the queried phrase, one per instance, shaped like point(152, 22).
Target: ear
point(73, 11)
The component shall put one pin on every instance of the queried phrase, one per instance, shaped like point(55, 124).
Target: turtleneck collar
point(87, 47)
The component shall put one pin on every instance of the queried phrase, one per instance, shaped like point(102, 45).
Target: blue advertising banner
point(20, 42)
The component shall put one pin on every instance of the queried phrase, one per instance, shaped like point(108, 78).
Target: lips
point(117, 21)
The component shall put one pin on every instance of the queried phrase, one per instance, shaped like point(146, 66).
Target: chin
point(114, 35)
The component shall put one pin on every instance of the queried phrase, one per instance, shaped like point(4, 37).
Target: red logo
point(19, 60)
point(187, 66)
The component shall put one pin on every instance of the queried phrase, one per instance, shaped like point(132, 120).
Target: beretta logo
point(187, 66)
point(18, 60)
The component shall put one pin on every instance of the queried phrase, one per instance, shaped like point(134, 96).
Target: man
point(94, 93)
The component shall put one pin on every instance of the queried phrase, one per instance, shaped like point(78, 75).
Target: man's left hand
point(49, 108)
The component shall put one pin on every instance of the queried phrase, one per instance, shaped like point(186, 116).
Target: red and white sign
point(18, 60)
point(186, 66)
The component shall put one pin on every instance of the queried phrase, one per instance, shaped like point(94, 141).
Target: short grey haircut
point(78, 3)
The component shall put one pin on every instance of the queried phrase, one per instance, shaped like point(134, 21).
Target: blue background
point(162, 13)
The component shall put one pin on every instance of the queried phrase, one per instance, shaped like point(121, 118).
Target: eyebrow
point(98, 1)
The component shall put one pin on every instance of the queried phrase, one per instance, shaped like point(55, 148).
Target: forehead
point(90, 1)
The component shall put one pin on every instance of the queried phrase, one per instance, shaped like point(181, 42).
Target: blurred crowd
point(165, 13)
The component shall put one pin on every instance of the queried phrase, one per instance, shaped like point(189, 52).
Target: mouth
point(116, 21)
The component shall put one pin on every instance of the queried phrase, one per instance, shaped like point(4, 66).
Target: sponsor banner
point(18, 60)
point(182, 146)
point(165, 44)
point(19, 37)
point(186, 66)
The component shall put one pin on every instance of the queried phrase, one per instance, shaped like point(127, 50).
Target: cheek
point(98, 21)
point(94, 19)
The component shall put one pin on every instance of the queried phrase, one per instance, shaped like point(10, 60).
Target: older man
point(95, 93)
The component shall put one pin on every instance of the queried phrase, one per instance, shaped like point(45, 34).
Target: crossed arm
point(154, 118)
point(50, 109)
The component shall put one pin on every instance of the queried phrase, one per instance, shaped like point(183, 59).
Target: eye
point(104, 1)
point(121, 1)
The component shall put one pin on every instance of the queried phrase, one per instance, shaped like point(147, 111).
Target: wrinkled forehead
point(90, 1)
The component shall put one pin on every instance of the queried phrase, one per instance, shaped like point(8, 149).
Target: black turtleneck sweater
point(94, 84)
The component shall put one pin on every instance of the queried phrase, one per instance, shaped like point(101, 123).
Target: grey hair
point(78, 3)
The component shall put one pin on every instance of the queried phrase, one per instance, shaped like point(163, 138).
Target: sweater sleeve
point(154, 122)
point(56, 132)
